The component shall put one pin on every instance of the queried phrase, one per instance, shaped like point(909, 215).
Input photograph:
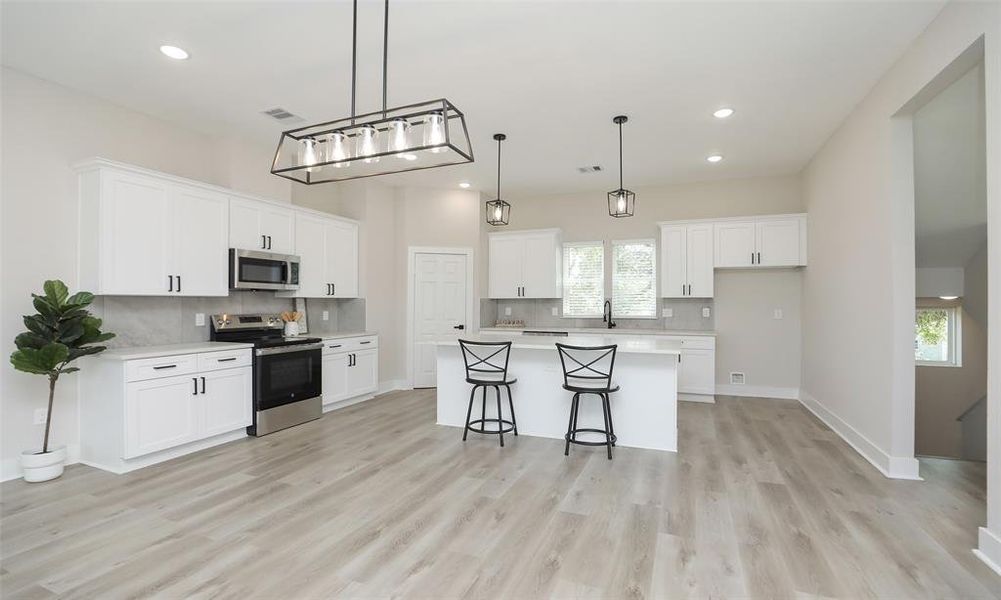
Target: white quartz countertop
point(602, 331)
point(137, 352)
point(627, 344)
point(342, 335)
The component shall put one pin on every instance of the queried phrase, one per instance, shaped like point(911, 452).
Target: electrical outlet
point(667, 313)
point(40, 414)
point(507, 311)
point(706, 312)
point(778, 313)
point(199, 319)
point(326, 315)
point(556, 311)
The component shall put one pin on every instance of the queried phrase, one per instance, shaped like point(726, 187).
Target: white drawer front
point(353, 344)
point(154, 368)
point(213, 361)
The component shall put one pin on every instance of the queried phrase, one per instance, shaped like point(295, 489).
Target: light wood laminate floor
point(377, 501)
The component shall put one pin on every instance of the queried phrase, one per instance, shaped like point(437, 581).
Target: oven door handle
point(287, 349)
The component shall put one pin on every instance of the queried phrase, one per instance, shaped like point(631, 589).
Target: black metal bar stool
point(486, 366)
point(588, 370)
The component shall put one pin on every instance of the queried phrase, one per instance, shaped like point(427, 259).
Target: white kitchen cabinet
point(686, 261)
point(342, 258)
point(778, 241)
point(526, 264)
point(363, 373)
point(350, 368)
point(328, 250)
point(256, 225)
point(335, 377)
point(697, 371)
point(142, 235)
point(735, 245)
point(160, 414)
point(223, 400)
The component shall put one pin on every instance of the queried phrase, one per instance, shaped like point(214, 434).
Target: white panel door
point(363, 374)
point(335, 377)
point(311, 247)
point(278, 224)
point(699, 260)
point(226, 400)
point(245, 225)
point(697, 372)
point(342, 258)
point(135, 225)
point(199, 260)
point(160, 414)
point(506, 260)
point(734, 243)
point(778, 242)
point(673, 261)
point(439, 309)
point(542, 268)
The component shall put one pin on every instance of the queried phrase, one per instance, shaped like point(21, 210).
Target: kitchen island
point(644, 410)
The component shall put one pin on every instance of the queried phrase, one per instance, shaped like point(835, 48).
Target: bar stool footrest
point(569, 437)
point(481, 422)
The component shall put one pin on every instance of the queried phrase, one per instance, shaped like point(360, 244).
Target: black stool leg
point(500, 417)
point(608, 435)
point(576, 415)
point(611, 426)
point(483, 409)
point(570, 424)
point(510, 403)
point(469, 412)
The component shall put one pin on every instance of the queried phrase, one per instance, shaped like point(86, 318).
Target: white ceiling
point(549, 74)
point(949, 174)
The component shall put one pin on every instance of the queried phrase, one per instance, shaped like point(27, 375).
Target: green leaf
point(69, 370)
point(30, 340)
point(80, 299)
point(70, 331)
point(43, 361)
point(35, 324)
point(45, 308)
point(55, 291)
point(76, 353)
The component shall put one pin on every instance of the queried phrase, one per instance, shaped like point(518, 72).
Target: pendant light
point(498, 211)
point(393, 140)
point(621, 202)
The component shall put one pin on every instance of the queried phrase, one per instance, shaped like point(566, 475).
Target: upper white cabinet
point(255, 225)
point(773, 241)
point(686, 258)
point(145, 235)
point(328, 252)
point(526, 264)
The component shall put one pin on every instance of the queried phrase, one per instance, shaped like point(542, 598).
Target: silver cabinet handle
point(159, 367)
point(231, 358)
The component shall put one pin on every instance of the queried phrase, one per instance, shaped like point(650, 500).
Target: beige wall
point(46, 129)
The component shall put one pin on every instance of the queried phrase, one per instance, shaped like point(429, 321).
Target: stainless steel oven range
point(287, 371)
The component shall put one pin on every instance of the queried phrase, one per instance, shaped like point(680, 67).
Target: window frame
point(955, 336)
point(563, 268)
point(655, 276)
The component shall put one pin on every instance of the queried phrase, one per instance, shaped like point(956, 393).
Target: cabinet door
point(311, 247)
point(227, 401)
point(778, 242)
point(245, 225)
point(506, 260)
point(542, 269)
point(279, 225)
point(335, 377)
point(342, 258)
point(673, 261)
point(363, 375)
point(734, 244)
point(135, 247)
point(697, 372)
point(200, 224)
point(160, 414)
point(699, 261)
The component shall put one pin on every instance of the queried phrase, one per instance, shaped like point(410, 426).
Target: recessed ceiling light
point(714, 158)
point(464, 185)
point(174, 52)
point(723, 113)
point(948, 297)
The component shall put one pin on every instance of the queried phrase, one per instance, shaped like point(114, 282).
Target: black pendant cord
point(620, 155)
point(354, 55)
point(498, 167)
point(385, 54)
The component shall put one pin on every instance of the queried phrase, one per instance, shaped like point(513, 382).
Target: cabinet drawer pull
point(366, 342)
point(159, 367)
point(334, 346)
point(231, 358)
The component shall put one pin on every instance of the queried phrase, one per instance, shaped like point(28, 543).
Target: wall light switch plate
point(507, 311)
point(778, 313)
point(556, 311)
point(667, 313)
point(326, 315)
point(40, 416)
point(199, 319)
point(706, 312)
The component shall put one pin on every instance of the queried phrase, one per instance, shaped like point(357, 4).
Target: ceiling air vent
point(589, 169)
point(282, 115)
point(736, 378)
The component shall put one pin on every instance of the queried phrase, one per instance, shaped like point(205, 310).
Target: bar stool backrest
point(587, 366)
point(486, 361)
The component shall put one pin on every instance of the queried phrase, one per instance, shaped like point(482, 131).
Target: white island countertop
point(626, 344)
point(615, 331)
point(138, 352)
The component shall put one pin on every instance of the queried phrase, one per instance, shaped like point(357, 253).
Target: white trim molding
point(892, 467)
point(989, 549)
point(757, 391)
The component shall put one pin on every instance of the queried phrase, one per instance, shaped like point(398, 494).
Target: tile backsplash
point(687, 315)
point(155, 320)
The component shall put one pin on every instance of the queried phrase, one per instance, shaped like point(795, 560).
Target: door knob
point(459, 327)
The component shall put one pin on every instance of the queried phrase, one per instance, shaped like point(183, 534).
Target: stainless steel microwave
point(256, 270)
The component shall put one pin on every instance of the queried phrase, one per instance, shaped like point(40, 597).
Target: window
point(937, 335)
point(583, 279)
point(634, 279)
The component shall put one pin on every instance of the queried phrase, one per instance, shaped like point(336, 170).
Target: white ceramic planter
point(291, 328)
point(43, 467)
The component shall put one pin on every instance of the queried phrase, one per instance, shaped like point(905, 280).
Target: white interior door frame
point(471, 314)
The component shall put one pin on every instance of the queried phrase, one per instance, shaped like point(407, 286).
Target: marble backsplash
point(687, 315)
point(155, 320)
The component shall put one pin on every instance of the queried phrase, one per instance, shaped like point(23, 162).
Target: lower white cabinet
point(350, 368)
point(697, 372)
point(139, 412)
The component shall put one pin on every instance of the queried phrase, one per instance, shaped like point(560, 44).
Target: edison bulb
point(434, 132)
point(367, 143)
point(337, 149)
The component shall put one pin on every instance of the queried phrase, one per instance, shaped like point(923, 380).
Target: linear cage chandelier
point(392, 140)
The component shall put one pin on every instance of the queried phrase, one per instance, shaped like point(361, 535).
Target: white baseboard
point(892, 467)
point(699, 398)
point(10, 468)
point(757, 391)
point(392, 385)
point(989, 549)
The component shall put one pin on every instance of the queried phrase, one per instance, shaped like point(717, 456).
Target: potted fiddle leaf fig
point(62, 331)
